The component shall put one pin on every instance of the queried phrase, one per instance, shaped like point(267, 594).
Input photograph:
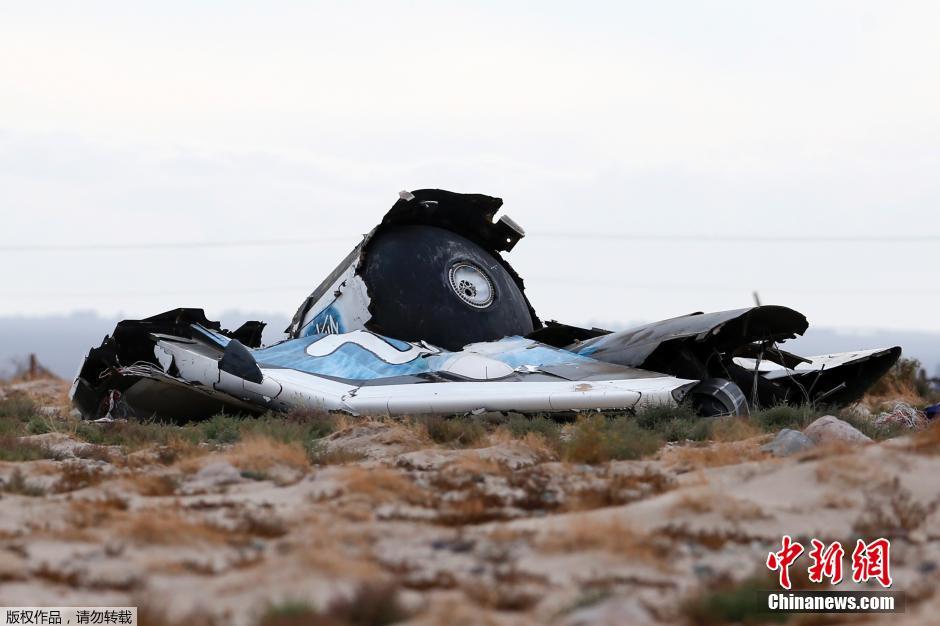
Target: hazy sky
point(124, 122)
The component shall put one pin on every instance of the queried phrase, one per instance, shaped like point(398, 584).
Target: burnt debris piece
point(425, 315)
point(401, 281)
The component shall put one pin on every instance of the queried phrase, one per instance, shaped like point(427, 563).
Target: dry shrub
point(454, 611)
point(469, 466)
point(13, 448)
point(155, 485)
point(474, 507)
point(323, 454)
point(294, 613)
point(846, 469)
point(713, 455)
point(597, 439)
point(891, 512)
point(338, 549)
point(537, 442)
point(708, 501)
point(906, 382)
point(18, 405)
point(926, 441)
point(258, 453)
point(711, 538)
point(586, 533)
point(17, 484)
point(330, 560)
point(148, 614)
point(541, 445)
point(742, 602)
point(77, 476)
point(372, 604)
point(836, 500)
point(616, 488)
point(177, 448)
point(510, 590)
point(383, 485)
point(454, 432)
point(168, 527)
point(57, 575)
point(94, 513)
point(461, 495)
point(731, 429)
point(257, 524)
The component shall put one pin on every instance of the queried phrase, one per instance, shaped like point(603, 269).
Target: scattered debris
point(932, 411)
point(902, 414)
point(426, 316)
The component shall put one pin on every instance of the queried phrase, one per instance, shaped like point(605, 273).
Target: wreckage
point(426, 316)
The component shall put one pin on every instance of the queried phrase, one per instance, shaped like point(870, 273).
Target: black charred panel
point(407, 272)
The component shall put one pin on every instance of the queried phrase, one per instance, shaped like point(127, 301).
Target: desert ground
point(308, 518)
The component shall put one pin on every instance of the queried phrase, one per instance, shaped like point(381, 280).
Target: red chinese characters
point(782, 560)
point(869, 561)
point(827, 562)
point(872, 560)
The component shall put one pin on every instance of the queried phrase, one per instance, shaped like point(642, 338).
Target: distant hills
point(61, 341)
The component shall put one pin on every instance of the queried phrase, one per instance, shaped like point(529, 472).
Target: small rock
point(212, 477)
point(425, 460)
point(63, 446)
point(830, 429)
point(787, 442)
point(612, 611)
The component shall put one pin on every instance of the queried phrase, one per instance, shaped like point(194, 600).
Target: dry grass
point(510, 590)
point(373, 604)
point(709, 501)
point(148, 614)
point(597, 439)
point(336, 548)
point(904, 382)
point(892, 512)
point(76, 475)
point(470, 465)
point(96, 513)
point(847, 470)
point(18, 484)
point(538, 443)
point(259, 453)
point(155, 485)
point(713, 455)
point(710, 538)
point(613, 537)
point(169, 527)
point(452, 432)
point(616, 488)
point(926, 441)
point(730, 429)
point(13, 448)
point(836, 500)
point(382, 485)
point(323, 455)
point(261, 524)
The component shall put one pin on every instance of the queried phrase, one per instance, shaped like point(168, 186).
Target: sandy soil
point(499, 534)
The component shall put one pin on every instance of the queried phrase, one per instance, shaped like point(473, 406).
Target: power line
point(168, 245)
point(301, 290)
point(747, 238)
point(536, 236)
